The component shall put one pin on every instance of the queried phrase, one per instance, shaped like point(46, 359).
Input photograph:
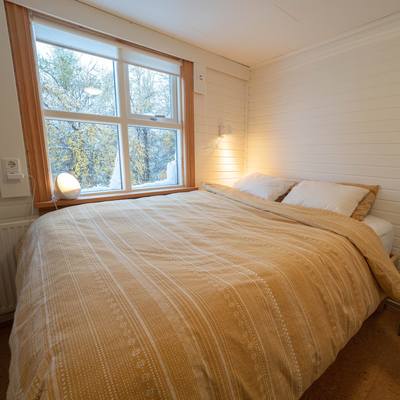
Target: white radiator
point(10, 234)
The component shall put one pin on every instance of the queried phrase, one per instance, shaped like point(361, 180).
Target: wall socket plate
point(12, 169)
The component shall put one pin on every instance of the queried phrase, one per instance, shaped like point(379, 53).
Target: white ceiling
point(251, 31)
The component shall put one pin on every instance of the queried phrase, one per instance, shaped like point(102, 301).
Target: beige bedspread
point(209, 294)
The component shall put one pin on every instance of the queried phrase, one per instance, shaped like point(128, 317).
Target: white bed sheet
point(384, 229)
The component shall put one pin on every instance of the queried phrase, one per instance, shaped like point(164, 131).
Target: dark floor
point(367, 369)
point(4, 358)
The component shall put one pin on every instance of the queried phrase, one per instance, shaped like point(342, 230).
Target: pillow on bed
point(335, 197)
point(365, 205)
point(264, 186)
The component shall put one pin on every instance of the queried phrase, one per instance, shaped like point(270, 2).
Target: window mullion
point(153, 124)
point(73, 116)
point(123, 110)
point(174, 99)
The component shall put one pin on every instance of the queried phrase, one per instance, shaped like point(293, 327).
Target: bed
point(212, 294)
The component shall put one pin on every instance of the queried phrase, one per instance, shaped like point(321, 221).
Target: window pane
point(88, 151)
point(76, 82)
point(150, 92)
point(153, 156)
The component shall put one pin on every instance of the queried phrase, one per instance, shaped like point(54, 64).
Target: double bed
point(212, 294)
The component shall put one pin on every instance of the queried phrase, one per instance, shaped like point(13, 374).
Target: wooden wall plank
point(336, 118)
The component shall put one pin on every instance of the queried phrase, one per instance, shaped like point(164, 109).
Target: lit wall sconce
point(66, 186)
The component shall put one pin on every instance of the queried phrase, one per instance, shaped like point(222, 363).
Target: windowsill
point(50, 205)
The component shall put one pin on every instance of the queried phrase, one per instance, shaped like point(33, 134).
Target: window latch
point(157, 116)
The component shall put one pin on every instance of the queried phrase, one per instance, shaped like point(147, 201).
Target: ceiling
point(251, 31)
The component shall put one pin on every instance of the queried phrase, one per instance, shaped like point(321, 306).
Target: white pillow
point(264, 186)
point(327, 196)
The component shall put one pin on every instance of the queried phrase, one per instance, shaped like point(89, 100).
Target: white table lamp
point(67, 186)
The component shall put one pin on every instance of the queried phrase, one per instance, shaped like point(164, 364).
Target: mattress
point(211, 294)
point(383, 229)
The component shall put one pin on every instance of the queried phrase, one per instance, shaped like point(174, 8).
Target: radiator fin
point(11, 233)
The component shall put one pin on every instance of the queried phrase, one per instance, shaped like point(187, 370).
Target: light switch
point(200, 77)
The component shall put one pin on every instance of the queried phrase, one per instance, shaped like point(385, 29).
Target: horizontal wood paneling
point(333, 118)
point(220, 160)
point(16, 208)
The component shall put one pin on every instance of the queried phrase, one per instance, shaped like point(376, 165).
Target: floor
point(367, 369)
point(4, 358)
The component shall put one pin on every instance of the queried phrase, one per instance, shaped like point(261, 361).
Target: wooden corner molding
point(188, 122)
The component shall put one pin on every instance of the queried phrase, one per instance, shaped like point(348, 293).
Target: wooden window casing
point(19, 28)
point(21, 40)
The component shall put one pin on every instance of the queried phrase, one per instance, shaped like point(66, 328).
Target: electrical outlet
point(12, 169)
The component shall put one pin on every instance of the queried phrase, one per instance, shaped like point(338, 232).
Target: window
point(112, 113)
point(152, 93)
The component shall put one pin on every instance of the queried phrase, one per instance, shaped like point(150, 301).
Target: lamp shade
point(67, 186)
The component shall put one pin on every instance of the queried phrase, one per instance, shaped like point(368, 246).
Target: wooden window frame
point(20, 32)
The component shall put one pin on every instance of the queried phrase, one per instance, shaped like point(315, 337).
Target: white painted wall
point(220, 160)
point(11, 140)
point(332, 113)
